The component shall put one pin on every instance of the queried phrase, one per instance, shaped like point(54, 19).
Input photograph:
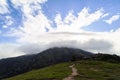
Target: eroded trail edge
point(73, 74)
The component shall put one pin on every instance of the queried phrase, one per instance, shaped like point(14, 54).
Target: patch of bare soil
point(73, 74)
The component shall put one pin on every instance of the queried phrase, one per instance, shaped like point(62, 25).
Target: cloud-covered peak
point(35, 25)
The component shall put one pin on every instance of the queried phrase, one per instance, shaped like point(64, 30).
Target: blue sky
point(42, 22)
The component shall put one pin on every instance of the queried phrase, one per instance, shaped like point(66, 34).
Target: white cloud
point(28, 6)
point(34, 27)
point(105, 15)
point(91, 45)
point(8, 22)
point(21, 2)
point(3, 7)
point(33, 24)
point(112, 19)
point(9, 50)
point(106, 42)
point(68, 31)
point(5, 26)
point(75, 23)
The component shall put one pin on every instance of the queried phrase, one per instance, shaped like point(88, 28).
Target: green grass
point(88, 70)
point(97, 70)
point(57, 72)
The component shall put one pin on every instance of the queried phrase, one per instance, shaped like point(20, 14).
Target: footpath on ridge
point(73, 74)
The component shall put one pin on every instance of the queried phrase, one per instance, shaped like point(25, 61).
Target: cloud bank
point(9, 50)
point(37, 32)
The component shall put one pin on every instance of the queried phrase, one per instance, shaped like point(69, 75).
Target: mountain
point(18, 65)
point(86, 69)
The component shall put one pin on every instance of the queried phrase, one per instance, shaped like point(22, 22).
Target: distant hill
point(87, 70)
point(18, 65)
point(106, 57)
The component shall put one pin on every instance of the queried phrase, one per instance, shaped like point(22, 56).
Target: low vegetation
point(87, 69)
point(97, 70)
point(56, 72)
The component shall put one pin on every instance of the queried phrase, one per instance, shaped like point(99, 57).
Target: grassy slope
point(56, 72)
point(96, 70)
point(88, 70)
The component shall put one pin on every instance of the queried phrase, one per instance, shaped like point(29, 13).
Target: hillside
point(87, 70)
point(18, 65)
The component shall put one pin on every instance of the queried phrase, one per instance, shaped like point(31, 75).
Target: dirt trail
point(74, 73)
